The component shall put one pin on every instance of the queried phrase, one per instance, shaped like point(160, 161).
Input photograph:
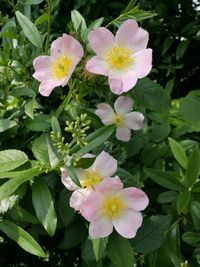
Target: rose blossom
point(103, 166)
point(56, 69)
point(123, 58)
point(109, 205)
point(122, 117)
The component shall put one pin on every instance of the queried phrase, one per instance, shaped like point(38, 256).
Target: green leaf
point(9, 187)
point(41, 19)
point(55, 125)
point(183, 200)
point(195, 212)
point(11, 159)
point(181, 48)
point(40, 123)
point(167, 179)
point(96, 23)
point(99, 247)
point(29, 108)
point(193, 167)
point(29, 29)
point(93, 140)
point(178, 152)
point(191, 238)
point(65, 211)
point(120, 251)
point(151, 95)
point(127, 177)
point(23, 238)
point(6, 124)
point(72, 174)
point(44, 207)
point(21, 215)
point(150, 235)
point(78, 21)
point(130, 6)
point(44, 151)
point(167, 197)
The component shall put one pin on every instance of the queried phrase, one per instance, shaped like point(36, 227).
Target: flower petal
point(131, 36)
point(46, 87)
point(105, 164)
point(100, 40)
point(96, 65)
point(123, 104)
point(118, 85)
point(135, 198)
point(106, 113)
point(79, 197)
point(67, 181)
point(91, 210)
point(100, 228)
point(109, 185)
point(42, 65)
point(142, 63)
point(67, 45)
point(134, 120)
point(123, 133)
point(128, 223)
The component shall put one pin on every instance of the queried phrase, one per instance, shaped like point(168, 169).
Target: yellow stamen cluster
point(60, 67)
point(118, 120)
point(91, 178)
point(113, 206)
point(119, 58)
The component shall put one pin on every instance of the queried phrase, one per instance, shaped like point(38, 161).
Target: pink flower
point(56, 69)
point(103, 166)
point(122, 117)
point(109, 205)
point(123, 58)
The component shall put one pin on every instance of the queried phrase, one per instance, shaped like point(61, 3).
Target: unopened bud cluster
point(78, 129)
point(59, 142)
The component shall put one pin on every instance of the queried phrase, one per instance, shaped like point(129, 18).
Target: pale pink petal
point(100, 40)
point(109, 185)
point(79, 197)
point(135, 198)
point(46, 87)
point(128, 223)
point(123, 104)
point(105, 164)
point(134, 120)
point(96, 65)
point(106, 113)
point(67, 45)
point(42, 65)
point(123, 133)
point(131, 36)
point(121, 84)
point(100, 228)
point(142, 63)
point(67, 181)
point(91, 209)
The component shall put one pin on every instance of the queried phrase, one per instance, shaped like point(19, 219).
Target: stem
point(49, 26)
point(65, 101)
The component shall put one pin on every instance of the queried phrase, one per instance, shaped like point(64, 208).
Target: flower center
point(118, 119)
point(60, 67)
point(91, 178)
point(113, 206)
point(119, 58)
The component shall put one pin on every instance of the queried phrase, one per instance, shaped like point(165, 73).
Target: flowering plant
point(98, 165)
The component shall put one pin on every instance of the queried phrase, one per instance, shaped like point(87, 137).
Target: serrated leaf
point(93, 140)
point(120, 251)
point(183, 200)
point(178, 152)
point(9, 187)
point(11, 159)
point(55, 125)
point(40, 123)
point(23, 238)
point(6, 124)
point(167, 179)
point(29, 29)
point(44, 207)
point(150, 235)
point(193, 168)
point(78, 20)
point(96, 23)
